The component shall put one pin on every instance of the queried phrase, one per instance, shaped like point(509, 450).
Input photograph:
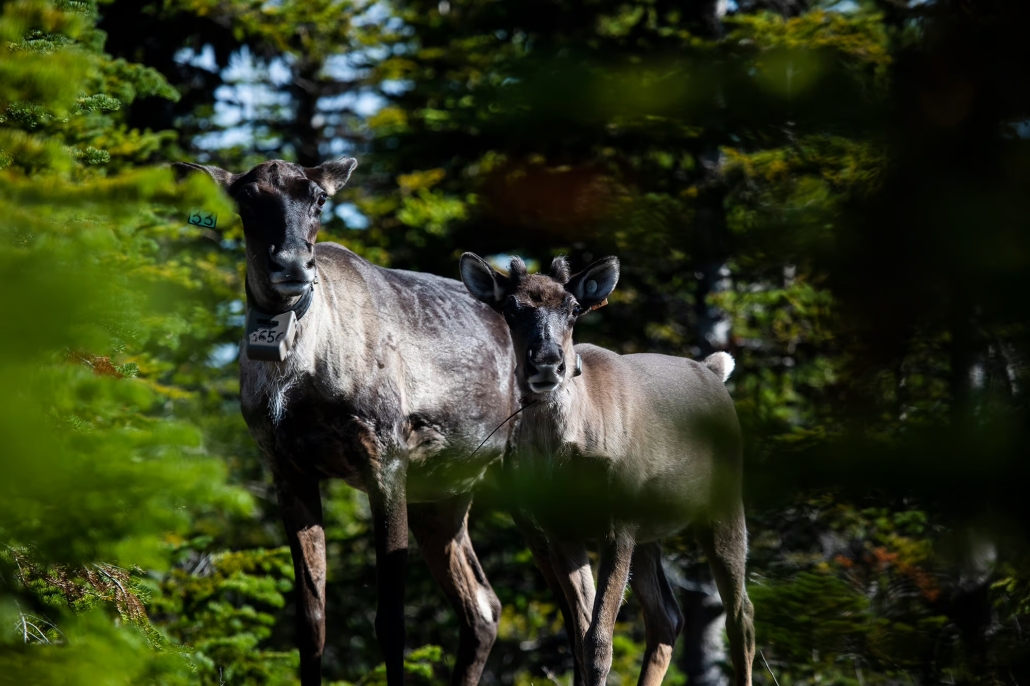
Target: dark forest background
point(836, 193)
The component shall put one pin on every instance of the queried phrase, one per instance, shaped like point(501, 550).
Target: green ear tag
point(270, 338)
point(203, 218)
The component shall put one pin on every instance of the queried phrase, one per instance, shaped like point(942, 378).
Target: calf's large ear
point(221, 177)
point(592, 286)
point(332, 176)
point(484, 282)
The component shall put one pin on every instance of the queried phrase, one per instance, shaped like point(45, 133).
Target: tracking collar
point(269, 337)
point(299, 308)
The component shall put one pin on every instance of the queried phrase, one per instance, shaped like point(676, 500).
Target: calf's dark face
point(541, 312)
point(280, 204)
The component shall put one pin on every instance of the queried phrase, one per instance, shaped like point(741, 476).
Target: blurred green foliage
point(118, 303)
point(835, 192)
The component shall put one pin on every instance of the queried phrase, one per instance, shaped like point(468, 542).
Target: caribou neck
point(298, 305)
point(587, 417)
point(559, 422)
point(331, 312)
point(265, 303)
point(329, 351)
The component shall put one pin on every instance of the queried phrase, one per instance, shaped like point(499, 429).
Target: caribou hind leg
point(663, 619)
point(725, 543)
point(441, 530)
point(301, 507)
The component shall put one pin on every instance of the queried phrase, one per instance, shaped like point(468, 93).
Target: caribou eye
point(576, 311)
point(250, 192)
point(509, 307)
point(321, 199)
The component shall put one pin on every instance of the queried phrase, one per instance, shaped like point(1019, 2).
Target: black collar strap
point(299, 308)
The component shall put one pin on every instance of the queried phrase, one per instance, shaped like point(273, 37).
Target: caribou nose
point(291, 268)
point(545, 369)
point(546, 356)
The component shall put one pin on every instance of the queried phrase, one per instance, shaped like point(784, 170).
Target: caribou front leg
point(388, 502)
point(301, 508)
point(612, 575)
point(536, 540)
point(572, 569)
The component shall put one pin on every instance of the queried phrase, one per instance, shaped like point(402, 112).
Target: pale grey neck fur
point(276, 378)
point(559, 423)
point(313, 346)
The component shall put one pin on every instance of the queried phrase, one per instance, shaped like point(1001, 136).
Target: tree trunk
point(709, 236)
point(703, 639)
point(709, 248)
point(302, 133)
point(704, 647)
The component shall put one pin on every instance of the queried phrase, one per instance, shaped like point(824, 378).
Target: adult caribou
point(627, 449)
point(392, 381)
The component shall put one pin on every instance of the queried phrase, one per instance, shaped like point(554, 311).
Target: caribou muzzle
point(545, 369)
point(291, 273)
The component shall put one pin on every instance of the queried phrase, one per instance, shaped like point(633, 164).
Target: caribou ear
point(483, 281)
point(221, 177)
point(332, 176)
point(592, 286)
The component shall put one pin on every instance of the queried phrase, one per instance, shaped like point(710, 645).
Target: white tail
point(722, 364)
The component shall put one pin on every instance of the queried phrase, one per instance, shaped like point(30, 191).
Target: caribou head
point(280, 204)
point(541, 311)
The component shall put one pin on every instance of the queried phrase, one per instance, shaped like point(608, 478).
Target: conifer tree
point(115, 303)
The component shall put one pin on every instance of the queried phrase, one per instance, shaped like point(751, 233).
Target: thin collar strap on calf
point(577, 372)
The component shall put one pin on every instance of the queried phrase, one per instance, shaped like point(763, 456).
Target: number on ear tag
point(203, 218)
point(270, 338)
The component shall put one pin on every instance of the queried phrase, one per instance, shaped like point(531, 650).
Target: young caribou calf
point(624, 448)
